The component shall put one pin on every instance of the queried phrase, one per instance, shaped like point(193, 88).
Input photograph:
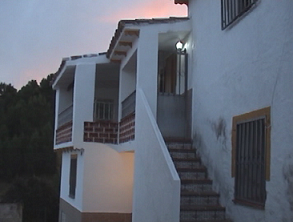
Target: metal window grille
point(250, 181)
point(233, 9)
point(65, 116)
point(103, 110)
point(128, 104)
point(72, 177)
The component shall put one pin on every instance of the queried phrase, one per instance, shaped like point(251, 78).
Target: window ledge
point(247, 203)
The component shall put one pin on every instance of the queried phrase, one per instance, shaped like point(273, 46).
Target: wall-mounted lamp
point(179, 46)
point(182, 63)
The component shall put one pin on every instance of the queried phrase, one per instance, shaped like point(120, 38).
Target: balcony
point(64, 130)
point(64, 133)
point(127, 128)
point(65, 116)
point(128, 105)
point(104, 129)
point(127, 123)
point(100, 131)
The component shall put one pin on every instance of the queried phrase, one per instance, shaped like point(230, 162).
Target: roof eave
point(64, 64)
point(132, 27)
point(181, 2)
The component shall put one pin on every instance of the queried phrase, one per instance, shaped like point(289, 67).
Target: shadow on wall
point(219, 128)
point(288, 177)
point(218, 149)
point(197, 140)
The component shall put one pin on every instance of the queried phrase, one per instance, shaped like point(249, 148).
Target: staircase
point(198, 201)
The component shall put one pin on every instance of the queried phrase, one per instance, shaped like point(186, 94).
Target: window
point(72, 175)
point(233, 9)
point(63, 217)
point(103, 110)
point(251, 157)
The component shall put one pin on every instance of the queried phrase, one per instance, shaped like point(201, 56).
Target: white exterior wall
point(156, 194)
point(238, 70)
point(104, 176)
point(65, 173)
point(147, 65)
point(57, 96)
point(83, 100)
point(127, 84)
point(127, 77)
point(156, 183)
point(108, 179)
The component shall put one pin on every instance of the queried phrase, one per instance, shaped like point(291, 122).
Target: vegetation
point(27, 160)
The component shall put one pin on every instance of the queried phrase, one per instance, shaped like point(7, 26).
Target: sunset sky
point(36, 34)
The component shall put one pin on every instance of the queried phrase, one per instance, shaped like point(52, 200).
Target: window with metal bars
point(251, 157)
point(72, 175)
point(231, 10)
point(103, 110)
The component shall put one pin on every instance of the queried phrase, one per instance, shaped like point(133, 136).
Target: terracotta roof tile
point(181, 2)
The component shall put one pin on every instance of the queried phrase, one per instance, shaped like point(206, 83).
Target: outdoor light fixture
point(182, 63)
point(179, 46)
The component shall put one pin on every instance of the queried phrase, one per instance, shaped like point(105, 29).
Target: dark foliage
point(27, 158)
point(26, 126)
point(38, 196)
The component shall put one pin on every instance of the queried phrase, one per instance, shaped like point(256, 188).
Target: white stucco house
point(203, 132)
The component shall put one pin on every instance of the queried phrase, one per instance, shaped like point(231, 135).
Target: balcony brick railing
point(64, 133)
point(127, 128)
point(100, 131)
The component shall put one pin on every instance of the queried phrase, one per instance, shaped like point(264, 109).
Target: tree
point(26, 125)
point(26, 149)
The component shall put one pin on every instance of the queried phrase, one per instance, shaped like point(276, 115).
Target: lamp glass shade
point(179, 45)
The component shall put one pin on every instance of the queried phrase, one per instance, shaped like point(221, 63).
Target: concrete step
point(181, 146)
point(187, 162)
point(192, 173)
point(194, 212)
point(196, 185)
point(199, 203)
point(179, 153)
point(208, 198)
point(177, 140)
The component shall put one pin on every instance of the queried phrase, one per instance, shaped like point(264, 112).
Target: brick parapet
point(64, 133)
point(100, 132)
point(127, 128)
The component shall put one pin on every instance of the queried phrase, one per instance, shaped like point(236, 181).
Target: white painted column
point(83, 100)
point(147, 66)
point(126, 87)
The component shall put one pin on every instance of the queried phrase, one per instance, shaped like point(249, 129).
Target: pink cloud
point(35, 72)
point(149, 9)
